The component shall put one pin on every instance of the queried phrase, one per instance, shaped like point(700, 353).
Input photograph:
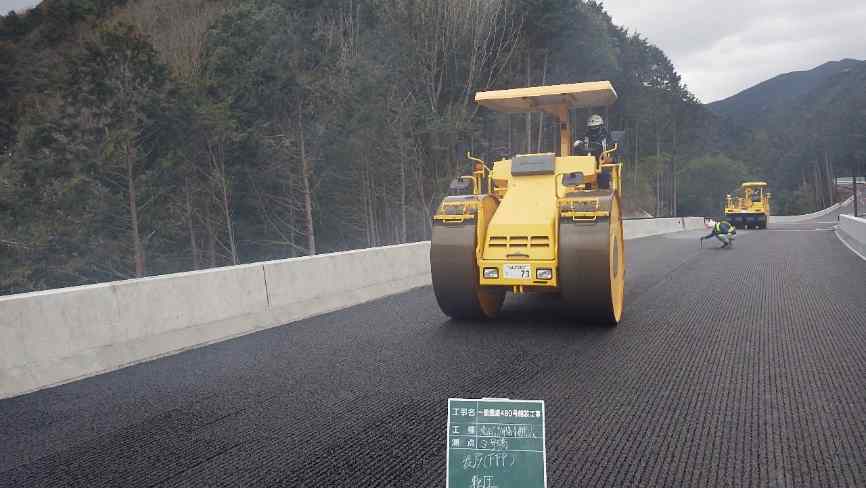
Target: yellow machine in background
point(752, 209)
point(547, 222)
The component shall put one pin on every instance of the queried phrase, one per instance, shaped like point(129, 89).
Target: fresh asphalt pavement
point(736, 367)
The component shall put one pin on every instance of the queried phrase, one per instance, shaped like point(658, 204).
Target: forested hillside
point(801, 130)
point(158, 136)
point(751, 107)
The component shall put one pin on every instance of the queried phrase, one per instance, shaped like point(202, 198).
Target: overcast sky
point(7, 5)
point(722, 47)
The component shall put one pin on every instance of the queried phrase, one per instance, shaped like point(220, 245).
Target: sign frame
point(496, 400)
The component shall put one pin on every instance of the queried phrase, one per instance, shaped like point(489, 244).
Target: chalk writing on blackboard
point(496, 443)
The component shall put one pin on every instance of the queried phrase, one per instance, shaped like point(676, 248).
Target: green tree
point(705, 181)
point(121, 84)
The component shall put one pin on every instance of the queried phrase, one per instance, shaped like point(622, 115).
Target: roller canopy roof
point(549, 99)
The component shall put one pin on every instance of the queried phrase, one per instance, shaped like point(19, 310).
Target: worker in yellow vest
point(723, 231)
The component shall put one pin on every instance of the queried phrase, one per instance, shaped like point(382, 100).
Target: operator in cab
point(595, 142)
point(723, 231)
point(596, 139)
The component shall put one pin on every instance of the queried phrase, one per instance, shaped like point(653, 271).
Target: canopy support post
point(564, 132)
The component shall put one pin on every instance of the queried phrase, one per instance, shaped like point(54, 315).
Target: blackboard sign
point(496, 443)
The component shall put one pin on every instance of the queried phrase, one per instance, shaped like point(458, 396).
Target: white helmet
point(595, 121)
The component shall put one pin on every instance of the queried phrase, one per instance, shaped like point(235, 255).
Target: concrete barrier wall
point(342, 279)
point(790, 219)
point(52, 337)
point(694, 223)
point(56, 336)
point(852, 231)
point(633, 229)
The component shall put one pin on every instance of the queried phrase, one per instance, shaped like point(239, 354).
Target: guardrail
point(53, 337)
point(852, 232)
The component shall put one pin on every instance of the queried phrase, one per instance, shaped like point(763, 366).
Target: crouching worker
point(724, 232)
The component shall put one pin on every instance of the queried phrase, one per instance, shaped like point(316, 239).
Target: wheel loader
point(535, 223)
point(751, 209)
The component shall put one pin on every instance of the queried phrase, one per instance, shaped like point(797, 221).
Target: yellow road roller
point(751, 208)
point(545, 222)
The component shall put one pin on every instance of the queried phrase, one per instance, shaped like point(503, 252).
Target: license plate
point(517, 271)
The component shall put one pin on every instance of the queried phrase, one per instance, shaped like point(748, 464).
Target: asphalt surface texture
point(735, 367)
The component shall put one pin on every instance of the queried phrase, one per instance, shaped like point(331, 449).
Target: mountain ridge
point(750, 107)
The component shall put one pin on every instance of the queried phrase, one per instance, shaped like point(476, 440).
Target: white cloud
point(721, 48)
